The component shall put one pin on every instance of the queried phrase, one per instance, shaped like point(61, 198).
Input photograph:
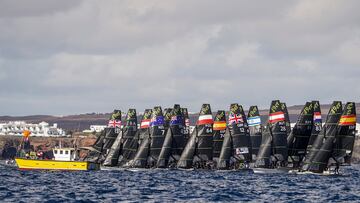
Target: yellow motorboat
point(64, 159)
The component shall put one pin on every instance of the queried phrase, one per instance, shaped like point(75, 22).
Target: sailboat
point(273, 152)
point(123, 140)
point(130, 141)
point(219, 129)
point(174, 141)
point(254, 122)
point(144, 126)
point(299, 137)
point(316, 161)
point(317, 125)
point(143, 138)
point(198, 150)
point(159, 125)
point(98, 151)
point(345, 138)
point(236, 149)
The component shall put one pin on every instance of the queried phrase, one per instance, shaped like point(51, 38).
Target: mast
point(174, 141)
point(345, 137)
point(157, 134)
point(219, 128)
point(129, 141)
point(141, 156)
point(317, 124)
point(300, 135)
point(317, 159)
point(254, 122)
point(287, 118)
point(198, 150)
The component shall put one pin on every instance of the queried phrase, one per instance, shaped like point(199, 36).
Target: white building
point(43, 129)
point(95, 128)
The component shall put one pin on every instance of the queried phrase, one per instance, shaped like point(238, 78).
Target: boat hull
point(31, 164)
point(325, 173)
point(270, 171)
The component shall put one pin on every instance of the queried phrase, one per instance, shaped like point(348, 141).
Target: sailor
point(39, 154)
point(32, 155)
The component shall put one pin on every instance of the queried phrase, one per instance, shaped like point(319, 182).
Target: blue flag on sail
point(158, 120)
point(253, 121)
point(176, 120)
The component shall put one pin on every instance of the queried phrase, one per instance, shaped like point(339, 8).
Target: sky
point(71, 56)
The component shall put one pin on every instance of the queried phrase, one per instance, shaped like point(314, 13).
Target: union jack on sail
point(235, 118)
point(114, 124)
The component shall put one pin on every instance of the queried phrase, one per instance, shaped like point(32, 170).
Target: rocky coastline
point(47, 143)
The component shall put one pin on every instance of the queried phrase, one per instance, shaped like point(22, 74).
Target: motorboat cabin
point(66, 154)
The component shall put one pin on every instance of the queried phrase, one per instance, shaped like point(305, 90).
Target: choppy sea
point(176, 185)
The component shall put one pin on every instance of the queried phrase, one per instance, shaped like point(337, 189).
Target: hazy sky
point(68, 57)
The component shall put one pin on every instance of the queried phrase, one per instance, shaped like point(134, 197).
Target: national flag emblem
point(157, 121)
point(114, 124)
point(317, 117)
point(253, 121)
point(219, 125)
point(235, 118)
point(241, 150)
point(348, 120)
point(145, 123)
point(176, 120)
point(205, 119)
point(187, 122)
point(276, 117)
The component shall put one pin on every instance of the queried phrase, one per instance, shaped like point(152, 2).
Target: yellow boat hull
point(31, 164)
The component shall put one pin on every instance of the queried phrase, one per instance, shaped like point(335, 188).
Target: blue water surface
point(176, 185)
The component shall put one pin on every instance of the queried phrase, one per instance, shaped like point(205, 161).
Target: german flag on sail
point(348, 120)
point(219, 125)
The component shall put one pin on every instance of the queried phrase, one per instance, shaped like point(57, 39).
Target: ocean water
point(176, 185)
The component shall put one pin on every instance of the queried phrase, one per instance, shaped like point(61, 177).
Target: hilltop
point(80, 122)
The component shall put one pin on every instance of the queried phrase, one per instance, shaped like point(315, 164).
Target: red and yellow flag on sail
point(348, 120)
point(219, 125)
